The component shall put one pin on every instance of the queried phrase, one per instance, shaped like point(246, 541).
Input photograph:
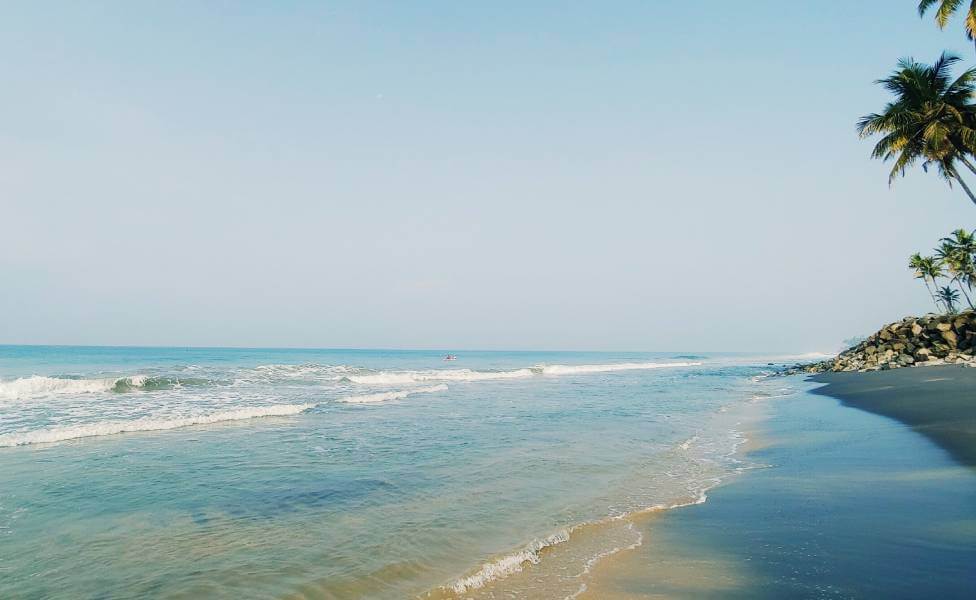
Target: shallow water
point(849, 505)
point(329, 474)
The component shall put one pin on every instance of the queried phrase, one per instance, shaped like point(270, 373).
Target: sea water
point(260, 473)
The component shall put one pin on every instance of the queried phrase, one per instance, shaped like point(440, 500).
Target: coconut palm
point(945, 10)
point(957, 253)
point(931, 120)
point(949, 297)
point(925, 268)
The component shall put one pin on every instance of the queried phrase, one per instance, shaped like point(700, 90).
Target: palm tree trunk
point(965, 187)
point(963, 290)
point(935, 298)
point(968, 299)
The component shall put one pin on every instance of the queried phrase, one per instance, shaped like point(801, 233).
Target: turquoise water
point(238, 473)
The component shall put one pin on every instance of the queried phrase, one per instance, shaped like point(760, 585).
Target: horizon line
point(401, 349)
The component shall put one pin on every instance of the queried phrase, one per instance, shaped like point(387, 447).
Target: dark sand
point(850, 504)
point(938, 402)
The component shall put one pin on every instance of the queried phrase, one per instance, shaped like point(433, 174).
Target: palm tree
point(927, 267)
point(949, 296)
point(956, 252)
point(932, 119)
point(946, 9)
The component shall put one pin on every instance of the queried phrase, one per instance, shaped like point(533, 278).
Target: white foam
point(609, 368)
point(397, 395)
point(307, 370)
point(71, 432)
point(406, 377)
point(508, 565)
point(39, 386)
point(588, 566)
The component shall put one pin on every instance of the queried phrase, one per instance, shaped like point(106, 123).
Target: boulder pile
point(913, 341)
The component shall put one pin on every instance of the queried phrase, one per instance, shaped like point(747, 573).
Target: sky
point(550, 175)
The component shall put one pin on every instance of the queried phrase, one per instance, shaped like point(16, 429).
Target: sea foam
point(71, 432)
point(610, 368)
point(508, 565)
point(405, 377)
point(397, 395)
point(462, 375)
point(38, 385)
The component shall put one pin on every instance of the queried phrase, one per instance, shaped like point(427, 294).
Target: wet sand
point(849, 504)
point(938, 402)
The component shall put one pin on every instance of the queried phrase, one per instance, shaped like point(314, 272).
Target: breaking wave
point(385, 396)
point(610, 368)
point(401, 377)
point(38, 385)
point(508, 565)
point(407, 377)
point(71, 432)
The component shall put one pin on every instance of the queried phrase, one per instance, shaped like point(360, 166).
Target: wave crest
point(461, 375)
point(406, 377)
point(610, 368)
point(71, 432)
point(508, 565)
point(38, 386)
point(385, 396)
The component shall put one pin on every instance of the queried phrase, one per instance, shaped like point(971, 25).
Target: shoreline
point(852, 504)
point(937, 401)
point(586, 542)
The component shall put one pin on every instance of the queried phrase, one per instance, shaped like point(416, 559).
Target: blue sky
point(629, 175)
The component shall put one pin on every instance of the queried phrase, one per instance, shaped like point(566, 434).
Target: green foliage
point(945, 10)
point(955, 260)
point(931, 120)
point(949, 296)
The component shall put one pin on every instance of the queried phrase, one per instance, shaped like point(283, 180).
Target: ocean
point(276, 473)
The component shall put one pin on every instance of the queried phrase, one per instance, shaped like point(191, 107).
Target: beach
point(319, 474)
point(483, 301)
point(938, 402)
point(849, 502)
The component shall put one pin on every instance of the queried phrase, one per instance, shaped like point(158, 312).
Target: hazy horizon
point(680, 353)
point(680, 178)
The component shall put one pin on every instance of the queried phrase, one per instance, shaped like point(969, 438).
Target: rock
point(928, 340)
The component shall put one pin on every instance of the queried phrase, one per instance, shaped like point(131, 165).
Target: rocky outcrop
point(913, 341)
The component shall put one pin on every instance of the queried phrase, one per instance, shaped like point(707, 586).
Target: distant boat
point(450, 357)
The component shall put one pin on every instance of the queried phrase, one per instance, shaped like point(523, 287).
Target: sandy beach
point(938, 402)
point(849, 503)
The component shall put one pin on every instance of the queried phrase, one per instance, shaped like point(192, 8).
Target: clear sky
point(512, 175)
